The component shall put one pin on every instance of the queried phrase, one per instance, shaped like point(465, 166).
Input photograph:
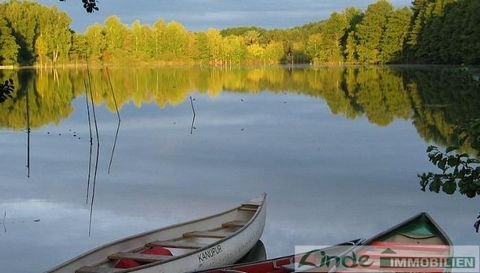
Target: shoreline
point(177, 65)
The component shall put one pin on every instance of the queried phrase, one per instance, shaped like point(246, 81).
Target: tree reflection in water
point(437, 100)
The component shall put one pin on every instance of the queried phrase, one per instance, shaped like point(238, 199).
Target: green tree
point(273, 52)
point(393, 40)
point(351, 48)
point(419, 16)
point(115, 33)
point(158, 38)
point(8, 45)
point(215, 46)
point(142, 41)
point(176, 41)
point(251, 37)
point(79, 49)
point(313, 47)
point(22, 17)
point(202, 47)
point(41, 48)
point(332, 31)
point(255, 52)
point(54, 28)
point(234, 49)
point(370, 31)
point(95, 40)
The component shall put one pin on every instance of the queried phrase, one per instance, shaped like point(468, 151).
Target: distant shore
point(190, 64)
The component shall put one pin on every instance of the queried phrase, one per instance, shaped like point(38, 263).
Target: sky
point(204, 14)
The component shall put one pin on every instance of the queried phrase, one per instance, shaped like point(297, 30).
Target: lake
point(336, 149)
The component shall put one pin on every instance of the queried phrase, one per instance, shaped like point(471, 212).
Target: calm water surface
point(337, 150)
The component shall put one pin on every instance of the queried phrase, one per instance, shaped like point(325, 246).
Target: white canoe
point(210, 242)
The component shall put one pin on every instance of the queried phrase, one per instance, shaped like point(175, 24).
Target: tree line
point(430, 31)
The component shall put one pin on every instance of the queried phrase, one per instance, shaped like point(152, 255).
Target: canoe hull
point(418, 235)
point(226, 250)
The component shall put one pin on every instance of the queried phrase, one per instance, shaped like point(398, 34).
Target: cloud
point(204, 14)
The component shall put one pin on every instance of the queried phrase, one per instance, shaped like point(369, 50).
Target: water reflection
point(435, 99)
point(329, 177)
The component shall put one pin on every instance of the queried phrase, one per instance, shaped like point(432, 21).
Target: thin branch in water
point(91, 141)
point(98, 152)
point(3, 221)
point(118, 124)
point(28, 134)
point(194, 115)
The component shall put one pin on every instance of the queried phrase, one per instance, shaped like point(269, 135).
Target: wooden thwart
point(177, 244)
point(139, 257)
point(234, 224)
point(252, 204)
point(252, 209)
point(207, 234)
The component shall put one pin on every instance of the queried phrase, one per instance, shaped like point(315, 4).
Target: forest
point(428, 32)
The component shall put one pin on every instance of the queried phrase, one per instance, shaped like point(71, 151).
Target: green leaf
point(453, 161)
point(470, 194)
point(442, 164)
point(473, 160)
point(423, 181)
point(435, 185)
point(451, 148)
point(449, 187)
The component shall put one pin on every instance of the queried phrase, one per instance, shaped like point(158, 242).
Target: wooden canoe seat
point(97, 269)
point(139, 257)
point(208, 234)
point(251, 204)
point(177, 244)
point(234, 224)
point(246, 208)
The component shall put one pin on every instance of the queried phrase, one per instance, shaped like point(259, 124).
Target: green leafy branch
point(6, 90)
point(89, 5)
point(459, 171)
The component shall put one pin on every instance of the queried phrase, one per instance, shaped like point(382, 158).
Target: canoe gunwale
point(261, 206)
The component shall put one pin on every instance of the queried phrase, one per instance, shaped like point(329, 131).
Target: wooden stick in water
point(194, 115)
point(98, 151)
point(28, 134)
point(91, 141)
point(118, 124)
point(3, 222)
